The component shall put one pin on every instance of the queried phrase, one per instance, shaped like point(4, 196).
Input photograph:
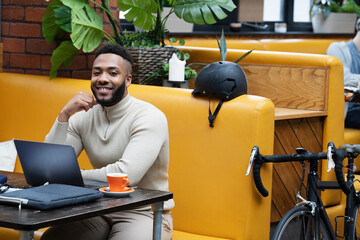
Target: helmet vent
point(233, 80)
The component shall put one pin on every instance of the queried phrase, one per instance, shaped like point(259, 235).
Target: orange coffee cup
point(117, 181)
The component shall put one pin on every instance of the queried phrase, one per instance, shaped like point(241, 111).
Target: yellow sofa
point(302, 86)
point(206, 209)
point(298, 45)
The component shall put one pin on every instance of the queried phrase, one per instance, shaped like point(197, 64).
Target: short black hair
point(115, 49)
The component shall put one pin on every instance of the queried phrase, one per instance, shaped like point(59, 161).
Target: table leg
point(158, 209)
point(26, 235)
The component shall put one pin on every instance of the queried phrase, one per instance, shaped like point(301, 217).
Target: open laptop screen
point(47, 162)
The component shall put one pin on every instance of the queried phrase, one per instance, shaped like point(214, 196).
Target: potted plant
point(161, 74)
point(82, 21)
point(334, 16)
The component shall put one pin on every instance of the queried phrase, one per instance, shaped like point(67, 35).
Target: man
point(348, 53)
point(119, 134)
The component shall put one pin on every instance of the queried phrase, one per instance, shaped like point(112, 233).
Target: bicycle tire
point(298, 223)
point(357, 223)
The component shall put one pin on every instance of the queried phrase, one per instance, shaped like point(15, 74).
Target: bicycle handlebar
point(351, 148)
point(256, 172)
point(339, 156)
point(257, 160)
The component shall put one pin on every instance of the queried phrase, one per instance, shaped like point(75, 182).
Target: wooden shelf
point(291, 113)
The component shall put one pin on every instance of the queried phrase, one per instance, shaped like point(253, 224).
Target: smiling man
point(119, 134)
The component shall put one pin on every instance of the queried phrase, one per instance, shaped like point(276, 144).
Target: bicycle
point(308, 219)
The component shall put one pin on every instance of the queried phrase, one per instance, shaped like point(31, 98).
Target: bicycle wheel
point(357, 223)
point(298, 223)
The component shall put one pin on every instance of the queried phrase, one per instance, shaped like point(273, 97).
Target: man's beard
point(115, 98)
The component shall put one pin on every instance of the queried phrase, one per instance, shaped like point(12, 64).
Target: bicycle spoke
point(298, 224)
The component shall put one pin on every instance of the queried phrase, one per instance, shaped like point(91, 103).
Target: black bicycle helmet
point(225, 80)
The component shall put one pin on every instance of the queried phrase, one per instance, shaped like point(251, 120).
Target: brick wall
point(25, 50)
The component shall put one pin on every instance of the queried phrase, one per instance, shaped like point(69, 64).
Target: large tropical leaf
point(49, 26)
point(87, 29)
point(139, 12)
point(201, 11)
point(64, 53)
point(63, 18)
point(74, 4)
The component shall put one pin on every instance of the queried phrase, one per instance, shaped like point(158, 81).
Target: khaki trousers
point(124, 225)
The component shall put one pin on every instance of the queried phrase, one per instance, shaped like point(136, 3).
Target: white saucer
point(106, 192)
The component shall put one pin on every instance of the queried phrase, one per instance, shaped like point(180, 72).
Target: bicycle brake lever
point(252, 156)
point(331, 163)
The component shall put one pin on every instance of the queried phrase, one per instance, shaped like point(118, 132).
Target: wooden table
point(29, 220)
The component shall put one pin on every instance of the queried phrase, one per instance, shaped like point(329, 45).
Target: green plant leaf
point(243, 56)
point(50, 29)
point(64, 53)
point(139, 12)
point(351, 7)
point(74, 4)
point(201, 11)
point(186, 56)
point(324, 9)
point(63, 18)
point(222, 46)
point(172, 40)
point(87, 29)
point(181, 42)
point(190, 73)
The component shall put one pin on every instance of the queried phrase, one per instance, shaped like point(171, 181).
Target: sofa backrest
point(204, 160)
point(213, 197)
point(298, 45)
point(317, 46)
point(30, 105)
point(290, 80)
point(310, 82)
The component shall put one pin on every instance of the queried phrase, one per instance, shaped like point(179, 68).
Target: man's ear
point(128, 80)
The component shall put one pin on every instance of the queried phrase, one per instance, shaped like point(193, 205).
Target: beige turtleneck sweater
point(129, 137)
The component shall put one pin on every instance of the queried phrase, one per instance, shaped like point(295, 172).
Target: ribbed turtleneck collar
point(119, 109)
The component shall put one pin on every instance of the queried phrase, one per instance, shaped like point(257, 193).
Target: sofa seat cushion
point(11, 234)
point(179, 235)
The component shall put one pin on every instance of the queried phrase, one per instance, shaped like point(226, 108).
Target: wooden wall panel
point(289, 86)
point(289, 135)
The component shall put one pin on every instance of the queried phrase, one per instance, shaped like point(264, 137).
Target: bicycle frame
point(351, 205)
point(313, 202)
point(313, 196)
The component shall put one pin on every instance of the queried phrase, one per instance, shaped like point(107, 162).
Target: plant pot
point(146, 60)
point(334, 23)
point(184, 84)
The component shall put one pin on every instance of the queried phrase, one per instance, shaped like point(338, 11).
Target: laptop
point(53, 163)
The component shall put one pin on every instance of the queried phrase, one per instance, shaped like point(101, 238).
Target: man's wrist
point(63, 117)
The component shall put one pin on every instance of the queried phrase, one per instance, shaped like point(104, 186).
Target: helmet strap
point(213, 116)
